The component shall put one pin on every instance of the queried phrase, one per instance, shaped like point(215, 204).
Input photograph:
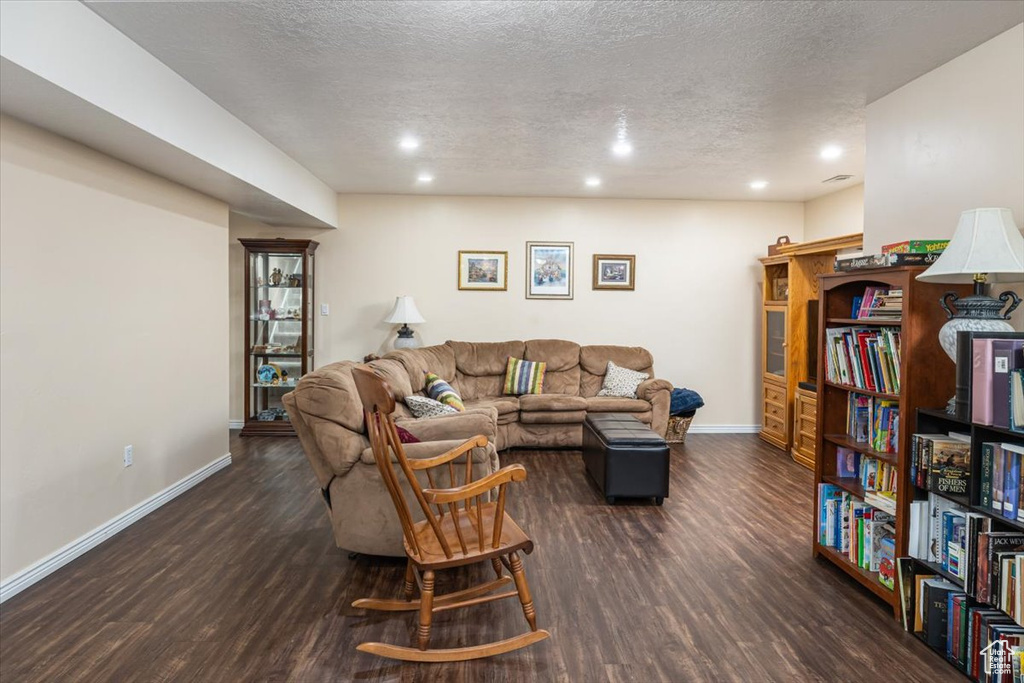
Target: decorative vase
point(974, 313)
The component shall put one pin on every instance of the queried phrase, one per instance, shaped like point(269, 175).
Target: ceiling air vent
point(837, 179)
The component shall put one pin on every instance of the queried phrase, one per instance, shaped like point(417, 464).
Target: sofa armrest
point(650, 387)
point(463, 425)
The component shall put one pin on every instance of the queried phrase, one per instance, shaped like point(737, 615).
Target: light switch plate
point(325, 309)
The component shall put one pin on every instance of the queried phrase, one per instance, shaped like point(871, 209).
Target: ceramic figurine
point(275, 277)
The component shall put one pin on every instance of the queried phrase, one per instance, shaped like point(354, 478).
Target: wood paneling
point(239, 580)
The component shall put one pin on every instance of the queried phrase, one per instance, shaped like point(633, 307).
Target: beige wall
point(696, 304)
point(838, 213)
point(950, 140)
point(113, 328)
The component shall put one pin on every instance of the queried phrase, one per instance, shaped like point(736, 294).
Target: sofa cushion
point(553, 417)
point(393, 372)
point(621, 381)
point(551, 403)
point(330, 393)
point(439, 390)
point(480, 366)
point(616, 404)
point(523, 377)
point(430, 449)
point(594, 363)
point(507, 407)
point(463, 425)
point(437, 359)
point(563, 364)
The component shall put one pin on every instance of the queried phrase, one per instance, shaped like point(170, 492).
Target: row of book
point(1002, 479)
point(866, 358)
point(878, 302)
point(941, 462)
point(964, 543)
point(877, 478)
point(906, 253)
point(982, 642)
point(865, 534)
point(873, 421)
point(998, 369)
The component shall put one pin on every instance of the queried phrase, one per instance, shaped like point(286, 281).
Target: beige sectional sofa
point(328, 419)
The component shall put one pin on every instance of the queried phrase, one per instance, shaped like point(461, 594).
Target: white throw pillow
point(621, 381)
point(421, 406)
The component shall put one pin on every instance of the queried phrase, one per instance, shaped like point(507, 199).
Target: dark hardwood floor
point(239, 580)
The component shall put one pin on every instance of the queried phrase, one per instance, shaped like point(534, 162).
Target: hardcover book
point(950, 466)
point(1007, 356)
point(981, 381)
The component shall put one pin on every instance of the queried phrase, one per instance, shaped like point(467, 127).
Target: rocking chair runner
point(449, 537)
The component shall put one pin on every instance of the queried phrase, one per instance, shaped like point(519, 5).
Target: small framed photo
point(614, 271)
point(483, 270)
point(549, 270)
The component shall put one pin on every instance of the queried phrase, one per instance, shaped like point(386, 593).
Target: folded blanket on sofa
point(684, 401)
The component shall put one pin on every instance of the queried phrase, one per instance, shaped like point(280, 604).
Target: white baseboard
point(46, 566)
point(236, 424)
point(724, 429)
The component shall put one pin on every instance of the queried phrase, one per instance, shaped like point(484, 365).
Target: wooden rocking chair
point(450, 536)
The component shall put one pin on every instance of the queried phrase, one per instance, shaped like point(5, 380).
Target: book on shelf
point(864, 533)
point(865, 358)
point(1017, 400)
point(915, 247)
point(852, 262)
point(941, 462)
point(989, 368)
point(1002, 470)
point(873, 421)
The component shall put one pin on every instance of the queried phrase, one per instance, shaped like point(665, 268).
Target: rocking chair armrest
point(476, 488)
point(479, 441)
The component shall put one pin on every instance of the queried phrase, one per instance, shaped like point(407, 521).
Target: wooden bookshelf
point(788, 324)
point(927, 378)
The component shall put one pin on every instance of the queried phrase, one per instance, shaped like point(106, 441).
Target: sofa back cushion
point(418, 362)
point(562, 375)
point(480, 366)
point(594, 363)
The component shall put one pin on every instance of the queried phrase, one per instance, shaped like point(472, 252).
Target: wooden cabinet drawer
point(774, 425)
point(775, 394)
point(775, 410)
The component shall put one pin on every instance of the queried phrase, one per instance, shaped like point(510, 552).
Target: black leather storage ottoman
point(625, 458)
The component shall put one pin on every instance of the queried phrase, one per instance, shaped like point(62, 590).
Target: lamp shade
point(404, 311)
point(985, 241)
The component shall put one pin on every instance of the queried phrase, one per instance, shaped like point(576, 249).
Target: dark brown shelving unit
point(927, 378)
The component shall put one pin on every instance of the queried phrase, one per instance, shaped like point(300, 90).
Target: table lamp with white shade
point(405, 312)
point(986, 247)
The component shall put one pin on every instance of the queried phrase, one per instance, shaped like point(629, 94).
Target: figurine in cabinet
point(276, 277)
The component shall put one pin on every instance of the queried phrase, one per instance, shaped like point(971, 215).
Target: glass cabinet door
point(775, 341)
point(279, 336)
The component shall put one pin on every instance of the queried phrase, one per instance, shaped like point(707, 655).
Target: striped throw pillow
point(439, 390)
point(524, 377)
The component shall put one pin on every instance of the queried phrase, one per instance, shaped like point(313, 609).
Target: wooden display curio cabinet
point(279, 326)
point(789, 326)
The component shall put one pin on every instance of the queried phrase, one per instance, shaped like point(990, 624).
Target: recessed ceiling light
point(409, 143)
point(424, 178)
point(758, 184)
point(593, 181)
point(831, 152)
point(622, 148)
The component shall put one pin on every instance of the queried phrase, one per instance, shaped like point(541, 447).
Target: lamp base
point(975, 313)
point(405, 339)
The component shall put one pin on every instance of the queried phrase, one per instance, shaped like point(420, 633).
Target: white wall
point(696, 304)
point(950, 140)
point(113, 331)
point(838, 213)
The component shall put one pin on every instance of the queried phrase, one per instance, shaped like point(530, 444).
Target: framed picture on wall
point(549, 270)
point(483, 271)
point(614, 271)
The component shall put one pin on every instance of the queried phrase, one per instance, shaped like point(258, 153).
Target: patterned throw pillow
point(523, 377)
point(621, 381)
point(421, 406)
point(439, 390)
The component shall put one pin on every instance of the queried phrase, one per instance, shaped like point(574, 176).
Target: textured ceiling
point(525, 98)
